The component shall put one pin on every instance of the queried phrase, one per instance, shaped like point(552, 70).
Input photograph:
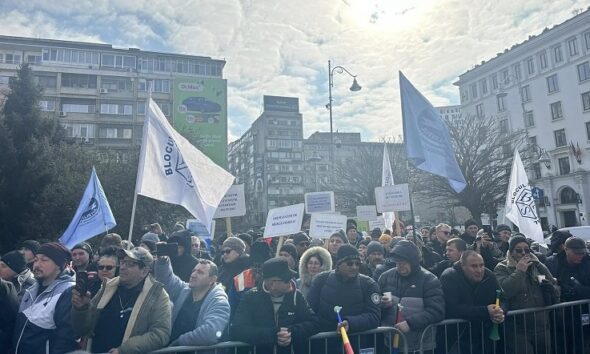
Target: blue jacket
point(43, 323)
point(213, 316)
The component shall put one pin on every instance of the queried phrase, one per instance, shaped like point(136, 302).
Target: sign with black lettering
point(284, 221)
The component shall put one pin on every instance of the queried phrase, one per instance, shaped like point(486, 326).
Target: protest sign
point(284, 221)
point(232, 204)
point(200, 229)
point(392, 198)
point(319, 202)
point(366, 212)
point(324, 225)
point(379, 222)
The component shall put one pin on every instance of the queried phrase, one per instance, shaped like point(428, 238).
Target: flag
point(174, 171)
point(520, 204)
point(387, 180)
point(427, 139)
point(93, 217)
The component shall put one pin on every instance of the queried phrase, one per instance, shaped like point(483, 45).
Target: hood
point(322, 253)
point(407, 251)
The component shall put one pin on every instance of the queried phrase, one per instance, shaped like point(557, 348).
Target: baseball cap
point(576, 245)
point(138, 254)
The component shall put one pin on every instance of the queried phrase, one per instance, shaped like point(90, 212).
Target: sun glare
point(388, 14)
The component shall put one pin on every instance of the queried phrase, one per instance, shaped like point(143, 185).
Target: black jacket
point(359, 298)
point(571, 290)
point(255, 322)
point(183, 265)
point(9, 306)
point(227, 271)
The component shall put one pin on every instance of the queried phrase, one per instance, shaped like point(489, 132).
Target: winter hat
point(85, 247)
point(350, 227)
point(385, 238)
point(57, 252)
point(150, 236)
point(558, 238)
point(346, 253)
point(576, 245)
point(300, 237)
point(364, 242)
point(340, 234)
point(503, 227)
point(15, 260)
point(247, 238)
point(150, 245)
point(470, 222)
point(183, 238)
point(375, 246)
point(516, 239)
point(376, 233)
point(406, 251)
point(31, 245)
point(260, 252)
point(290, 249)
point(278, 267)
point(235, 244)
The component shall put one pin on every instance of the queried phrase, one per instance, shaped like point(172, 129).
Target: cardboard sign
point(319, 202)
point(200, 229)
point(379, 222)
point(324, 225)
point(366, 212)
point(393, 198)
point(284, 221)
point(232, 204)
point(485, 219)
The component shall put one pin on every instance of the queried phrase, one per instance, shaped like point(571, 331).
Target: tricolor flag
point(174, 171)
point(387, 180)
point(520, 204)
point(93, 217)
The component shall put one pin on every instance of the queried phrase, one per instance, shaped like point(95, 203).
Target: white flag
point(520, 204)
point(174, 171)
point(387, 180)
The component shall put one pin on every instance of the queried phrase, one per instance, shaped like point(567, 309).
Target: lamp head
point(355, 86)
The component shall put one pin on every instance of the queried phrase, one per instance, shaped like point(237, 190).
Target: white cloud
point(282, 48)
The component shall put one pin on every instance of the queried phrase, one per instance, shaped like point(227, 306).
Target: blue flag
point(428, 143)
point(93, 217)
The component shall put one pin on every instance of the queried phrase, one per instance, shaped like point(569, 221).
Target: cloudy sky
point(279, 47)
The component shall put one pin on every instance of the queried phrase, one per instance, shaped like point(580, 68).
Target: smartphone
point(82, 282)
point(166, 249)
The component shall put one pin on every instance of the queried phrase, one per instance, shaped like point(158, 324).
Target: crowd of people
point(178, 290)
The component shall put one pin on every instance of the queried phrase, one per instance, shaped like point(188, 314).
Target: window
point(532, 140)
point(158, 85)
point(530, 66)
point(586, 101)
point(118, 61)
point(517, 72)
point(564, 165)
point(464, 95)
point(552, 84)
point(474, 90)
point(78, 81)
point(70, 56)
point(543, 60)
point(34, 59)
point(164, 107)
point(572, 45)
point(47, 82)
point(529, 120)
point(584, 71)
point(495, 82)
point(536, 170)
point(503, 125)
point(484, 87)
point(525, 93)
point(506, 77)
point(115, 133)
point(77, 130)
point(479, 111)
point(557, 54)
point(114, 84)
point(115, 108)
point(560, 138)
point(77, 108)
point(500, 99)
point(47, 105)
point(587, 40)
point(588, 130)
point(10, 58)
point(556, 111)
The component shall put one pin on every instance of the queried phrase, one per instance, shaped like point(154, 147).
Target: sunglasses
point(226, 251)
point(353, 263)
point(105, 267)
point(128, 264)
point(521, 250)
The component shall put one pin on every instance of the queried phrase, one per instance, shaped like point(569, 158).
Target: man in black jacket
point(470, 294)
point(184, 262)
point(275, 318)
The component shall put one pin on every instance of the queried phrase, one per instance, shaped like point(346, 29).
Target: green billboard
point(200, 115)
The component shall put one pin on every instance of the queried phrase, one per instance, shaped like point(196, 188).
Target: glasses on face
point(226, 251)
point(129, 264)
point(353, 263)
point(105, 267)
point(522, 250)
point(446, 232)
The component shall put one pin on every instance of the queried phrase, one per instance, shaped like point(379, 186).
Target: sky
point(282, 48)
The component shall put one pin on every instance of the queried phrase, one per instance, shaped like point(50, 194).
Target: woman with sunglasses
point(527, 283)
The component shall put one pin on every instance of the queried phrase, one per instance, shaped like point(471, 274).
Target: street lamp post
point(354, 87)
point(315, 160)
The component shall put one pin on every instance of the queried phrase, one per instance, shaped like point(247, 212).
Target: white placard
point(366, 212)
point(393, 198)
point(485, 219)
point(379, 222)
point(232, 204)
point(325, 225)
point(319, 202)
point(199, 228)
point(284, 221)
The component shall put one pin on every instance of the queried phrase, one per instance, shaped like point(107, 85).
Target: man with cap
point(503, 233)
point(417, 290)
point(557, 240)
point(358, 295)
point(571, 268)
point(43, 323)
point(183, 262)
point(301, 242)
point(13, 268)
point(335, 241)
point(375, 254)
point(130, 314)
point(526, 283)
point(82, 257)
point(289, 252)
point(353, 235)
point(471, 229)
point(200, 307)
point(275, 317)
point(29, 249)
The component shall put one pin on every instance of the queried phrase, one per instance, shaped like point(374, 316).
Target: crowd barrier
point(562, 328)
point(379, 339)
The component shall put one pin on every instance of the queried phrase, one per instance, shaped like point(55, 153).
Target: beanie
point(516, 239)
point(345, 253)
point(85, 247)
point(375, 246)
point(300, 237)
point(376, 233)
point(57, 252)
point(502, 227)
point(31, 245)
point(260, 252)
point(470, 222)
point(15, 260)
point(364, 242)
point(235, 244)
point(340, 234)
point(290, 249)
point(150, 236)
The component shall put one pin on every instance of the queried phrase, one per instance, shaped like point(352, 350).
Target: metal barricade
point(380, 339)
point(562, 328)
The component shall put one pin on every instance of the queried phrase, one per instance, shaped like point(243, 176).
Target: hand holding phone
point(166, 249)
point(82, 282)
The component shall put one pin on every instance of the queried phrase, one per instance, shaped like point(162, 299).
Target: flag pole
point(411, 201)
